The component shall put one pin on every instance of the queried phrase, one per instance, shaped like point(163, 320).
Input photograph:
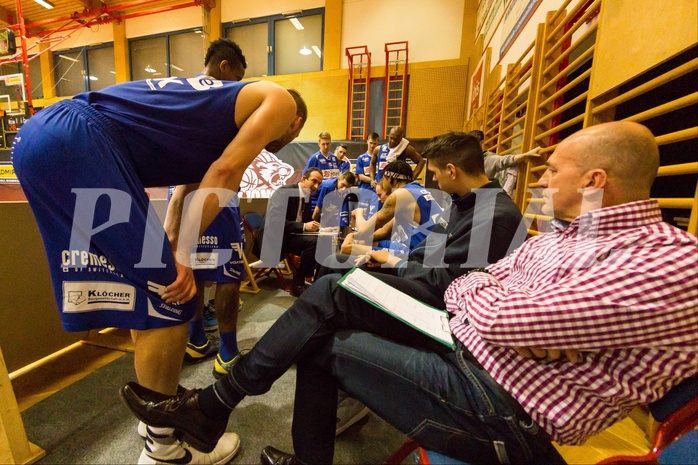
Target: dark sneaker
point(210, 321)
point(180, 412)
point(296, 291)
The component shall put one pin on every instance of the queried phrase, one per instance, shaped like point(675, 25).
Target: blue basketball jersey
point(429, 210)
point(329, 166)
point(363, 166)
point(344, 166)
point(83, 164)
point(171, 143)
point(383, 160)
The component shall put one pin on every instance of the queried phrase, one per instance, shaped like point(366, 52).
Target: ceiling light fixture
point(297, 24)
point(45, 4)
point(175, 67)
point(66, 57)
point(305, 51)
point(317, 51)
point(148, 69)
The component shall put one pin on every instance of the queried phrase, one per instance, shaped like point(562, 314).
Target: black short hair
point(479, 135)
point(344, 146)
point(225, 49)
point(398, 170)
point(301, 107)
point(458, 148)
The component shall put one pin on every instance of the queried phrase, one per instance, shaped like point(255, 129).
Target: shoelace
point(183, 398)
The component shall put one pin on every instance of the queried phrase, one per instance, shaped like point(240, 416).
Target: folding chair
point(252, 222)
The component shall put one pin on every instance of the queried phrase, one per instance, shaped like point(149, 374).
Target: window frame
point(271, 34)
point(85, 63)
point(167, 36)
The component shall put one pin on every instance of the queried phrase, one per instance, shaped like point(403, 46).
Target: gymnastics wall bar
point(665, 99)
point(396, 63)
point(520, 92)
point(561, 69)
point(359, 91)
point(494, 94)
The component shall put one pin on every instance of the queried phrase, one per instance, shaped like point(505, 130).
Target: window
point(81, 70)
point(281, 44)
point(174, 54)
point(100, 68)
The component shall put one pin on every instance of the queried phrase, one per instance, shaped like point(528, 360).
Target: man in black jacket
point(448, 251)
point(291, 202)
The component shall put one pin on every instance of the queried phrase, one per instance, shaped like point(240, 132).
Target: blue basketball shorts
point(219, 253)
point(107, 251)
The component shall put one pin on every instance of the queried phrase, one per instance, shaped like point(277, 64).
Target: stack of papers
point(426, 319)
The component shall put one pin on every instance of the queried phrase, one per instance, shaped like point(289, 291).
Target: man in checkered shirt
point(557, 341)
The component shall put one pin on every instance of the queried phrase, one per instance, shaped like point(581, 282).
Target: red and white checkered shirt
point(619, 285)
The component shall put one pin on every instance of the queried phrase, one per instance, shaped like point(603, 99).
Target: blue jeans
point(441, 398)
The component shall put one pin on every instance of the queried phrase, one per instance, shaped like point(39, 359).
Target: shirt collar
point(610, 220)
point(468, 200)
point(304, 195)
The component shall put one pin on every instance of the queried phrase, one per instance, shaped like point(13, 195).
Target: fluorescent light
point(176, 67)
point(297, 24)
point(317, 51)
point(93, 78)
point(45, 4)
point(113, 72)
point(305, 51)
point(66, 57)
point(148, 69)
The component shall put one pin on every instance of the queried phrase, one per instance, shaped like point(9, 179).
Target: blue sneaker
point(210, 321)
point(195, 354)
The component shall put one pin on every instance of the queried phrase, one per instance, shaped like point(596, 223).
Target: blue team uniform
point(368, 200)
point(363, 166)
point(406, 234)
point(83, 164)
point(383, 159)
point(329, 207)
point(344, 166)
point(329, 166)
point(225, 232)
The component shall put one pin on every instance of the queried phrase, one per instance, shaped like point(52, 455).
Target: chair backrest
point(253, 221)
point(676, 412)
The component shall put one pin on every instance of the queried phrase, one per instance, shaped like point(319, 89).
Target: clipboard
point(426, 319)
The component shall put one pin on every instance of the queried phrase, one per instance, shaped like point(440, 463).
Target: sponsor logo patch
point(204, 261)
point(89, 296)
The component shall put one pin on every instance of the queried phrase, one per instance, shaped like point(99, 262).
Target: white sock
point(161, 431)
point(162, 444)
